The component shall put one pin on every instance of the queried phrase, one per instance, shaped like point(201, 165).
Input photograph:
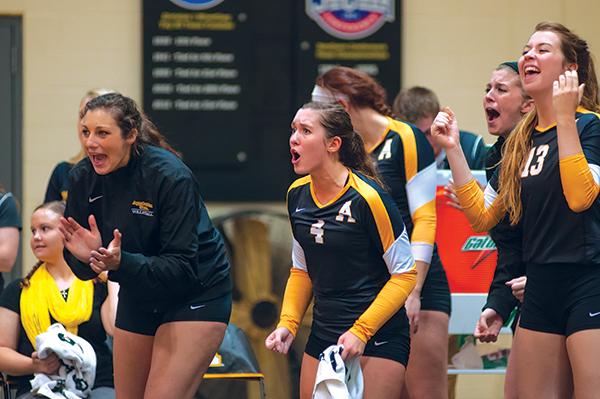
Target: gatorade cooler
point(469, 258)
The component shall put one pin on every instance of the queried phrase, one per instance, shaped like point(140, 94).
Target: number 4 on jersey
point(317, 230)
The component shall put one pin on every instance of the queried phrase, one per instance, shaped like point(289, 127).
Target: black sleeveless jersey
point(349, 247)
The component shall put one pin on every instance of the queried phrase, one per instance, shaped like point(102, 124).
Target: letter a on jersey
point(386, 151)
point(345, 211)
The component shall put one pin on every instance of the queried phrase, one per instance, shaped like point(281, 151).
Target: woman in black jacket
point(136, 212)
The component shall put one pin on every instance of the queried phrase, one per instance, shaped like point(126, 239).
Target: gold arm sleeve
point(424, 220)
point(578, 183)
point(389, 300)
point(472, 201)
point(297, 296)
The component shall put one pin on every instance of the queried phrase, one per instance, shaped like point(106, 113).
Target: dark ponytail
point(129, 117)
point(337, 123)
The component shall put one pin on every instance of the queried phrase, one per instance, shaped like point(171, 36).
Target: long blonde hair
point(518, 144)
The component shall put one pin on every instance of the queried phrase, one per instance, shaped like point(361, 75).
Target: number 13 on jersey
point(540, 152)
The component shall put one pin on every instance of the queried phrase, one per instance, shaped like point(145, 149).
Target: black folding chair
point(235, 360)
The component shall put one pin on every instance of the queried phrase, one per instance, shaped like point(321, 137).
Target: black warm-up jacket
point(170, 250)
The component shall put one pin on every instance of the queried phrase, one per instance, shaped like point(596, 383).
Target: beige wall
point(69, 47)
point(452, 46)
point(73, 45)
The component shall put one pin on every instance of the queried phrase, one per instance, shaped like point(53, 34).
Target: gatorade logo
point(478, 243)
point(483, 244)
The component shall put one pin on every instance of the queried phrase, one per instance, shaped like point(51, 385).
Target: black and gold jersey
point(406, 164)
point(508, 240)
point(474, 149)
point(349, 247)
point(552, 231)
point(58, 185)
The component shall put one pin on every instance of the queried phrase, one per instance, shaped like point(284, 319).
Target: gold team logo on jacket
point(217, 361)
point(142, 208)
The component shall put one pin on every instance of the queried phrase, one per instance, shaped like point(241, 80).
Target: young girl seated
point(51, 293)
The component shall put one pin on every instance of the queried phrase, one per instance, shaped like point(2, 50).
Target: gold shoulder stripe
point(582, 110)
point(382, 219)
point(409, 144)
point(299, 182)
point(579, 109)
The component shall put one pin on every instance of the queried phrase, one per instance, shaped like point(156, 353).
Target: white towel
point(336, 380)
point(76, 375)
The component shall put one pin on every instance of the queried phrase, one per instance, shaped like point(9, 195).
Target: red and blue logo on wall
point(351, 19)
point(197, 4)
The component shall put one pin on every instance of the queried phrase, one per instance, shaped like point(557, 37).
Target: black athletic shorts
point(387, 343)
point(199, 308)
point(435, 294)
point(561, 298)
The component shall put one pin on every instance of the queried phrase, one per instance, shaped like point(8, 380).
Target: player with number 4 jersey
point(350, 252)
point(349, 247)
point(405, 161)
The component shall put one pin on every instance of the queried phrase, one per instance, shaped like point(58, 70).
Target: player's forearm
point(579, 187)
point(422, 270)
point(567, 137)
point(461, 174)
point(480, 216)
point(14, 363)
point(298, 293)
point(389, 300)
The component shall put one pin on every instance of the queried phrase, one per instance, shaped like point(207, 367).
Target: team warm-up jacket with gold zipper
point(561, 214)
point(352, 254)
point(170, 249)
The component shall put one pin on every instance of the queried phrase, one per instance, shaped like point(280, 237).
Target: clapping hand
point(105, 259)
point(79, 240)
